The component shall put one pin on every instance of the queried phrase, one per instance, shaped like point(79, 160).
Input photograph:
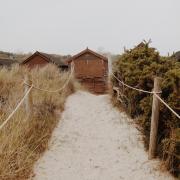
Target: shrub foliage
point(138, 67)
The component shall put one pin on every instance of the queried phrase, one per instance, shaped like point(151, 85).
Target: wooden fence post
point(28, 100)
point(154, 120)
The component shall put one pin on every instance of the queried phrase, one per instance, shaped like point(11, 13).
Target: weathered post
point(28, 100)
point(154, 119)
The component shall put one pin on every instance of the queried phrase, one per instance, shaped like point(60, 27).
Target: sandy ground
point(94, 141)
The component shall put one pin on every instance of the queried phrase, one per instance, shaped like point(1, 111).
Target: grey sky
point(68, 26)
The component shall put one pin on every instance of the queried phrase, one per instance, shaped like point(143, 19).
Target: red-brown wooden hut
point(91, 69)
point(41, 59)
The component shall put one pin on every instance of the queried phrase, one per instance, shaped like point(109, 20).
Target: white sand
point(94, 141)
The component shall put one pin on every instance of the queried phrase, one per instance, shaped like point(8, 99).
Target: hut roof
point(88, 51)
point(55, 59)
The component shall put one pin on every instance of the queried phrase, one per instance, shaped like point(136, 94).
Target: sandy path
point(93, 141)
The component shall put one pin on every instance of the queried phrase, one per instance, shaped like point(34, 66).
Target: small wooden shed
point(41, 59)
point(91, 69)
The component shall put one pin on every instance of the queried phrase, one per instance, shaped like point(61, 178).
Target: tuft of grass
point(23, 139)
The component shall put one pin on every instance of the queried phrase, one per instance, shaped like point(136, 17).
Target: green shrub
point(138, 67)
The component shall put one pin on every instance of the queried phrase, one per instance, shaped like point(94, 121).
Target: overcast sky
point(69, 26)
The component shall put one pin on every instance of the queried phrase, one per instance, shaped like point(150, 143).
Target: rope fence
point(57, 90)
point(155, 111)
point(155, 107)
point(140, 90)
point(149, 92)
point(176, 114)
point(31, 86)
point(17, 107)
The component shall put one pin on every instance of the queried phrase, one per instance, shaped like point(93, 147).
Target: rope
point(149, 92)
point(140, 90)
point(30, 88)
point(19, 104)
point(177, 115)
point(57, 90)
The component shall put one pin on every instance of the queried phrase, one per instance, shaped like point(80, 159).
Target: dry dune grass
point(24, 139)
